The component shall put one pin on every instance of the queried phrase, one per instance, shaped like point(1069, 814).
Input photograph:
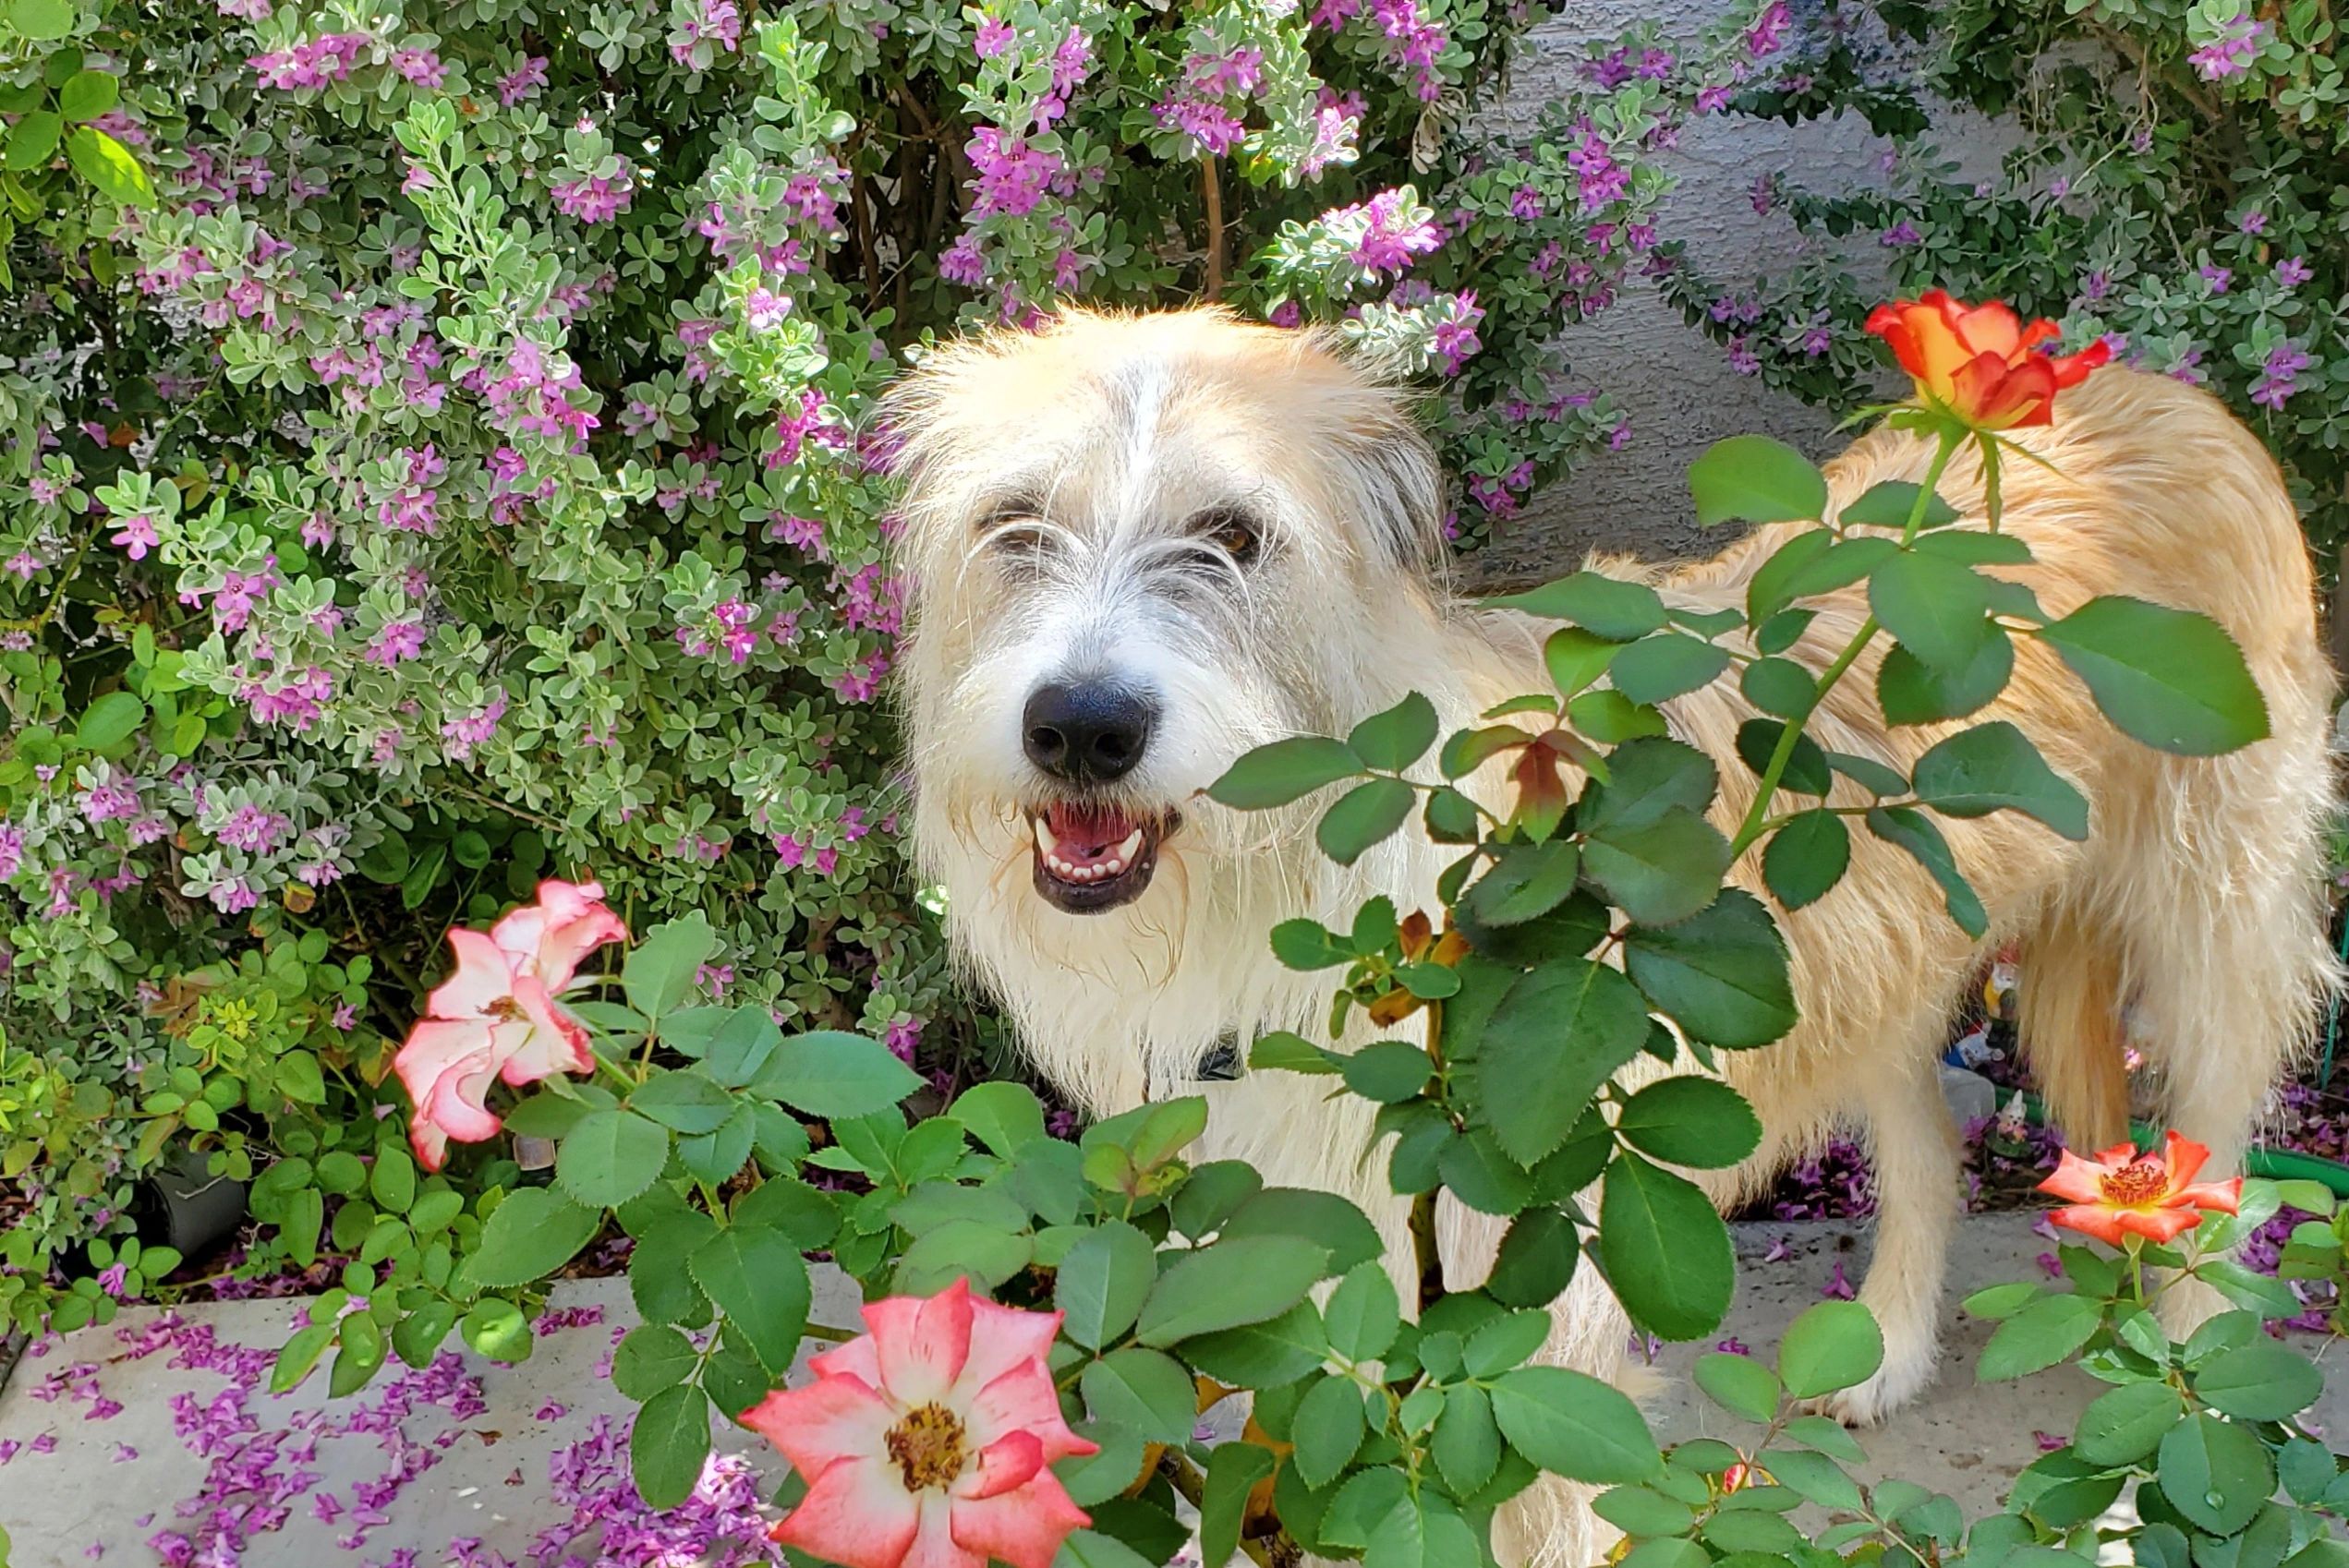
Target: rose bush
point(1136, 1289)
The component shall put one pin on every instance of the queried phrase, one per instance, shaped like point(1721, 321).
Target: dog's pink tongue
point(1085, 834)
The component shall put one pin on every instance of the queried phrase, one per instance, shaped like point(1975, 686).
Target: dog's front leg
point(1918, 1162)
point(1550, 1524)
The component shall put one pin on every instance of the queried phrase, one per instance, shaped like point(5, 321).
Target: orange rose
point(1978, 362)
point(2121, 1192)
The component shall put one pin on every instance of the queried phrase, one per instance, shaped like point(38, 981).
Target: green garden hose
point(2274, 1165)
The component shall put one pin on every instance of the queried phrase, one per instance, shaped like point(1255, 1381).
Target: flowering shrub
point(2178, 191)
point(444, 452)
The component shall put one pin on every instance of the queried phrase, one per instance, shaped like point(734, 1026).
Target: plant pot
point(183, 1207)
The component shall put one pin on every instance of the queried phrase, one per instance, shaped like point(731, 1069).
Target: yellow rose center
point(505, 1009)
point(928, 1446)
point(2135, 1184)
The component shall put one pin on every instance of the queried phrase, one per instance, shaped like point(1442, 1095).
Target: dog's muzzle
point(1091, 855)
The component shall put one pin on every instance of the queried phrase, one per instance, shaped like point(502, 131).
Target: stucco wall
point(1675, 385)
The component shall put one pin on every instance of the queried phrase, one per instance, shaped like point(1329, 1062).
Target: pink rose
point(926, 1441)
point(496, 1018)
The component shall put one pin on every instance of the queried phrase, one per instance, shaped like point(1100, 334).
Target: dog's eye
point(1234, 534)
point(1019, 538)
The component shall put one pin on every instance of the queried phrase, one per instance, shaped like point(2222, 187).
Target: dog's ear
point(1402, 485)
point(907, 426)
point(932, 427)
point(1386, 460)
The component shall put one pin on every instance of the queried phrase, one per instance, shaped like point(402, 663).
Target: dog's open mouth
point(1091, 856)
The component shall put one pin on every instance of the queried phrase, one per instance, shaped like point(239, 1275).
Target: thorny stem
point(1758, 814)
point(1425, 1252)
point(1186, 1479)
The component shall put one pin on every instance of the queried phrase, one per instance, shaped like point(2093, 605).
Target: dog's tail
point(2071, 1029)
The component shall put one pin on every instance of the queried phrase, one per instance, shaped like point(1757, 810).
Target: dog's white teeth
point(1111, 866)
point(1127, 851)
point(1045, 843)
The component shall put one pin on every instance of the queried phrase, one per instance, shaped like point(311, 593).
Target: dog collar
point(1221, 1064)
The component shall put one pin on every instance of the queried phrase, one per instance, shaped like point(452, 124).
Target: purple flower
point(1386, 232)
point(2280, 374)
point(962, 263)
point(396, 641)
point(523, 81)
point(313, 63)
point(1455, 339)
point(137, 536)
point(2231, 52)
point(419, 66)
point(2218, 277)
point(2293, 270)
point(465, 733)
point(111, 800)
point(253, 829)
point(593, 198)
point(1013, 177)
point(721, 22)
point(1767, 35)
point(994, 36)
point(1212, 128)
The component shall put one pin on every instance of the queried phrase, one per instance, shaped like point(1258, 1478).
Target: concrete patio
point(473, 1464)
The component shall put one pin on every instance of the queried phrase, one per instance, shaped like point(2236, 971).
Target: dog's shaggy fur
point(1072, 497)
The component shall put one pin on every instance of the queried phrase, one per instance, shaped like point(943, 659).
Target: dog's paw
point(1868, 1403)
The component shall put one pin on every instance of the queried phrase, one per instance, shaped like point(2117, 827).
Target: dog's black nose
point(1086, 734)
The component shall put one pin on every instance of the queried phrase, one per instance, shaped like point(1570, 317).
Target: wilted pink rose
point(545, 940)
point(496, 1017)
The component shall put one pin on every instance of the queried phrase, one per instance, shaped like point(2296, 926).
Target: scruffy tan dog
point(1141, 545)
